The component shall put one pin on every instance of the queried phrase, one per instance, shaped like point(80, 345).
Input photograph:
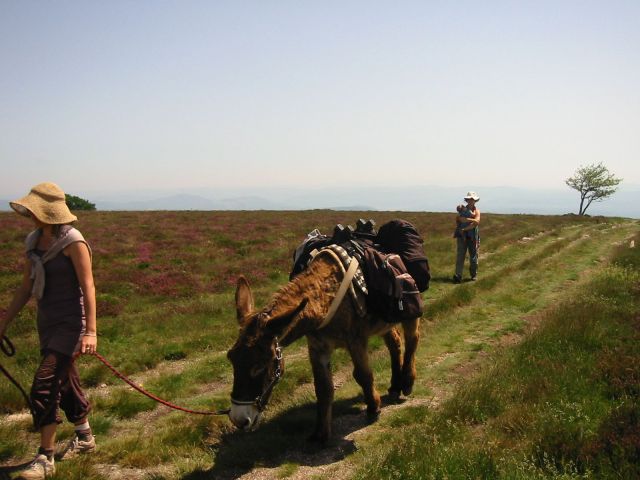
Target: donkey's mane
point(314, 283)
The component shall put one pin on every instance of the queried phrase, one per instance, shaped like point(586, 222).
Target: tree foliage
point(595, 183)
point(77, 203)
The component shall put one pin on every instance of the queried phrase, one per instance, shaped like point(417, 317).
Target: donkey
point(299, 309)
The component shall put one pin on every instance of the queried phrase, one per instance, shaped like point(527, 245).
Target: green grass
point(166, 318)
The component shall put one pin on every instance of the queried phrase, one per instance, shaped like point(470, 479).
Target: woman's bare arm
point(79, 254)
point(20, 298)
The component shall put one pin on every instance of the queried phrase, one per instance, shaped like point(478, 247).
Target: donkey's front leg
point(364, 376)
point(411, 336)
point(320, 356)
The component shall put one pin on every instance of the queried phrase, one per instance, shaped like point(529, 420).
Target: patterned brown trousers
point(57, 384)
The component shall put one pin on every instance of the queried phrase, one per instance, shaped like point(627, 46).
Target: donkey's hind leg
point(364, 376)
point(411, 335)
point(394, 345)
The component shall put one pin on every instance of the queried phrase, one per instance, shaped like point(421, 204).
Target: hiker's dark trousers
point(464, 245)
point(57, 384)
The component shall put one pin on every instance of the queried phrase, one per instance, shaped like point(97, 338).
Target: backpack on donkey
point(401, 237)
point(392, 290)
point(393, 261)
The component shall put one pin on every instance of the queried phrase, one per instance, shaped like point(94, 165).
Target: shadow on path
point(283, 439)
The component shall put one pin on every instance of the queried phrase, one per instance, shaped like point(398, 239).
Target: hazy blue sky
point(100, 95)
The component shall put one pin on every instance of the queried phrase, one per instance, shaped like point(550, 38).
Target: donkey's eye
point(257, 370)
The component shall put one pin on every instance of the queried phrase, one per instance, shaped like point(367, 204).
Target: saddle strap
point(344, 285)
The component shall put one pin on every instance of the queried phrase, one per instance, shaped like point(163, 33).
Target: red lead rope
point(9, 350)
point(133, 385)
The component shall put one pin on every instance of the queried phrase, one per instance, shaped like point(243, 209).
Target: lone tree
point(77, 203)
point(595, 183)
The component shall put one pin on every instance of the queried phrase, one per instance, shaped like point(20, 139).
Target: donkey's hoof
point(394, 396)
point(372, 417)
point(407, 390)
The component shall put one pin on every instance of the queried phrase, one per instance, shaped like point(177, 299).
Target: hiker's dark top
point(61, 315)
point(61, 318)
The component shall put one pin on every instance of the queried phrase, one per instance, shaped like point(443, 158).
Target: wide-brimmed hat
point(46, 202)
point(472, 196)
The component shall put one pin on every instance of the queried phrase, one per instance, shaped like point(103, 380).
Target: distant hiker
point(467, 235)
point(58, 274)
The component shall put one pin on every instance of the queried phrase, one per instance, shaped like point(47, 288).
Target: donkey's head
point(256, 357)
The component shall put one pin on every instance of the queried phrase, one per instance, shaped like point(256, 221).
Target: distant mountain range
point(623, 203)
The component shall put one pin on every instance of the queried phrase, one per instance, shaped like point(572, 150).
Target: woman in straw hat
point(467, 235)
point(58, 274)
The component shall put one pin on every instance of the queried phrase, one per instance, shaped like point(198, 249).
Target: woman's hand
point(20, 298)
point(89, 343)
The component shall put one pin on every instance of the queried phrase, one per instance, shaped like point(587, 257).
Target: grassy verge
point(564, 403)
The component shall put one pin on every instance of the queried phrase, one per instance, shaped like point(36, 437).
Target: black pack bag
point(302, 254)
point(352, 240)
point(401, 237)
point(393, 292)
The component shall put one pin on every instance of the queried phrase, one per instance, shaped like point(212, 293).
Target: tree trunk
point(587, 205)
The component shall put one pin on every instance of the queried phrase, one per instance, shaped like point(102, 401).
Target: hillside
point(165, 284)
point(419, 198)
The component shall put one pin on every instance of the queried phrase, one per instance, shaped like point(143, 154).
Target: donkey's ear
point(244, 299)
point(278, 324)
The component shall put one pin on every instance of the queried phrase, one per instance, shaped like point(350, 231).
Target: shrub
point(77, 203)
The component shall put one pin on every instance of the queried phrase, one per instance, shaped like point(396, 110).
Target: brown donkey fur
point(298, 309)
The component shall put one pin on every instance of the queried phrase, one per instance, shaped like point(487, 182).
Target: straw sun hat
point(46, 201)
